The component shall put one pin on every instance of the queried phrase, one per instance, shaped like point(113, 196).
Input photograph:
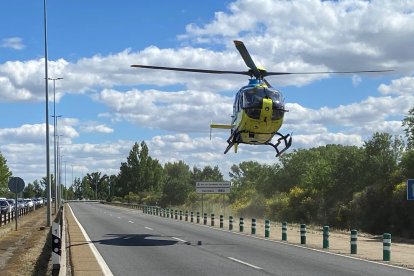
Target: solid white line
point(149, 228)
point(130, 221)
point(105, 269)
point(239, 261)
point(178, 239)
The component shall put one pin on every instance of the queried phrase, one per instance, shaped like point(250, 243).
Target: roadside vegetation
point(341, 186)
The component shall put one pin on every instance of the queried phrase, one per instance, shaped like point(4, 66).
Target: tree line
point(341, 186)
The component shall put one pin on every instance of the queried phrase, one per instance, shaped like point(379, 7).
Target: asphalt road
point(133, 243)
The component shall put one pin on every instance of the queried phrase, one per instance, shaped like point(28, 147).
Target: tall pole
point(48, 218)
point(66, 193)
point(54, 129)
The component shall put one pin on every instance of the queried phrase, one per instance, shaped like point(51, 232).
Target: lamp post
point(55, 129)
point(48, 182)
point(66, 193)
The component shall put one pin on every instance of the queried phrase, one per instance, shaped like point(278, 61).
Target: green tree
point(177, 184)
point(99, 184)
point(5, 173)
point(408, 123)
point(140, 174)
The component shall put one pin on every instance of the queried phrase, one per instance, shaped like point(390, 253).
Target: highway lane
point(132, 243)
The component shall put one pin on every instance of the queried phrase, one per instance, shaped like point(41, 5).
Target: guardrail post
point(198, 217)
point(221, 221)
point(303, 234)
point(267, 228)
point(386, 251)
point(325, 243)
point(212, 219)
point(284, 231)
point(253, 226)
point(354, 238)
point(230, 223)
point(241, 225)
point(205, 218)
point(186, 215)
point(192, 216)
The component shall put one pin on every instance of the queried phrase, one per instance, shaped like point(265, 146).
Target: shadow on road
point(135, 240)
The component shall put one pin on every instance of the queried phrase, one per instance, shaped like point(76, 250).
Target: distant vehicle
point(20, 203)
point(12, 203)
point(4, 207)
point(29, 203)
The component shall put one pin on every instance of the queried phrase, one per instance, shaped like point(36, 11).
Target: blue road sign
point(410, 189)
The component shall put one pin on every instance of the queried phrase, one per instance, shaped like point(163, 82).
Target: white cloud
point(189, 111)
point(15, 43)
point(93, 127)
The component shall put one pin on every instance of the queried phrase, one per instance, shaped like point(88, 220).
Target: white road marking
point(118, 217)
point(178, 239)
point(130, 221)
point(149, 228)
point(105, 269)
point(239, 261)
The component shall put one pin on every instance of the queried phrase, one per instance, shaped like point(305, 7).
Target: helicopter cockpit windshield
point(253, 99)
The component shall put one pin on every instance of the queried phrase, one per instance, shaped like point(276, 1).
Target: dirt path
point(21, 250)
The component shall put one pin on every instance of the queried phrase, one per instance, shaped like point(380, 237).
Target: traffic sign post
point(410, 189)
point(211, 187)
point(16, 185)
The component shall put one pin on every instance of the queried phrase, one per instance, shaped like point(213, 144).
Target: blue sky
point(106, 106)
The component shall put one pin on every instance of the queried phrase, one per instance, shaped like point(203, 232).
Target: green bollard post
point(253, 226)
point(176, 214)
point(386, 251)
point(192, 216)
point(198, 217)
point(221, 221)
point(205, 218)
point(241, 225)
point(284, 231)
point(325, 242)
point(168, 213)
point(186, 215)
point(212, 219)
point(181, 215)
point(267, 228)
point(303, 234)
point(354, 238)
point(230, 223)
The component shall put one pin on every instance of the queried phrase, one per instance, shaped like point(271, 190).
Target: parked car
point(12, 203)
point(20, 203)
point(29, 203)
point(4, 207)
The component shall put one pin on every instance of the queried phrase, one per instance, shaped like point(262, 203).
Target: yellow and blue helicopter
point(258, 109)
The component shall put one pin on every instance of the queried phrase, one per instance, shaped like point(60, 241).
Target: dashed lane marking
point(149, 228)
point(245, 263)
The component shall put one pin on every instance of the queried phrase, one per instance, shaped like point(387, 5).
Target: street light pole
point(66, 191)
point(54, 129)
point(48, 182)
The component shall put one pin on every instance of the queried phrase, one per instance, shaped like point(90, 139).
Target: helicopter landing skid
point(287, 139)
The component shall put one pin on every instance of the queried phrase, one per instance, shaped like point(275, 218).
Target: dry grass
point(27, 250)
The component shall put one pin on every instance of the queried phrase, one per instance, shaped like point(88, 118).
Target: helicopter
point(258, 109)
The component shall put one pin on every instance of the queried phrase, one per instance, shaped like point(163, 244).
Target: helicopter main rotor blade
point(247, 58)
point(325, 72)
point(191, 70)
